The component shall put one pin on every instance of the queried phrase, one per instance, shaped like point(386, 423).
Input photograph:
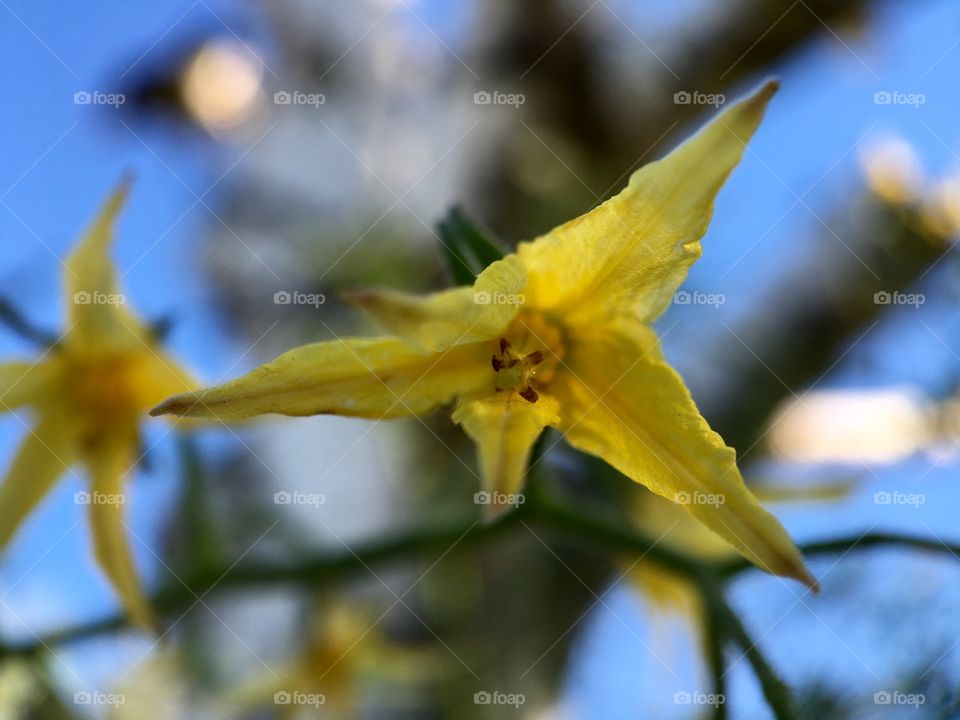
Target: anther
point(535, 358)
point(529, 394)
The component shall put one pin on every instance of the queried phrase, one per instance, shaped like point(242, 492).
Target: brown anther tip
point(529, 394)
point(497, 363)
point(504, 345)
point(498, 389)
point(536, 357)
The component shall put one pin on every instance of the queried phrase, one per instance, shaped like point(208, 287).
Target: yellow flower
point(345, 651)
point(557, 335)
point(87, 394)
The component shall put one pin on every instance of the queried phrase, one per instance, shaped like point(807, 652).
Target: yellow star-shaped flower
point(88, 393)
point(556, 335)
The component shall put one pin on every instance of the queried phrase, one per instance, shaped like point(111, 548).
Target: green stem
point(854, 542)
point(319, 569)
point(603, 532)
point(714, 637)
point(201, 542)
point(312, 571)
point(775, 690)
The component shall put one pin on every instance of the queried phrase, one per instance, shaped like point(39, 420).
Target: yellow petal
point(621, 402)
point(629, 254)
point(158, 376)
point(380, 378)
point(108, 463)
point(95, 307)
point(504, 426)
point(452, 317)
point(44, 455)
point(26, 382)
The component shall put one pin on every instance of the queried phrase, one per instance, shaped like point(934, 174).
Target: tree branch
point(709, 578)
point(842, 545)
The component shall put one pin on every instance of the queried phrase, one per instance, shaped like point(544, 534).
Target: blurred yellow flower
point(87, 393)
point(557, 335)
point(345, 651)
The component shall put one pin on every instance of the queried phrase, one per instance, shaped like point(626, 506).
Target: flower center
point(526, 357)
point(103, 393)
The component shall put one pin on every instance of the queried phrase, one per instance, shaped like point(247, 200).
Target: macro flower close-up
point(421, 360)
point(556, 336)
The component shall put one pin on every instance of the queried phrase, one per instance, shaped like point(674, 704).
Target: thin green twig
point(839, 546)
point(714, 637)
point(709, 578)
point(776, 692)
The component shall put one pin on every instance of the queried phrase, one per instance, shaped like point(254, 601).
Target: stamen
point(507, 360)
point(529, 394)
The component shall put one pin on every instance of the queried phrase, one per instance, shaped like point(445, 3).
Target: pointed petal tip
point(171, 406)
point(769, 88)
point(159, 410)
point(800, 572)
point(811, 582)
point(759, 98)
point(118, 198)
point(492, 512)
point(360, 298)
